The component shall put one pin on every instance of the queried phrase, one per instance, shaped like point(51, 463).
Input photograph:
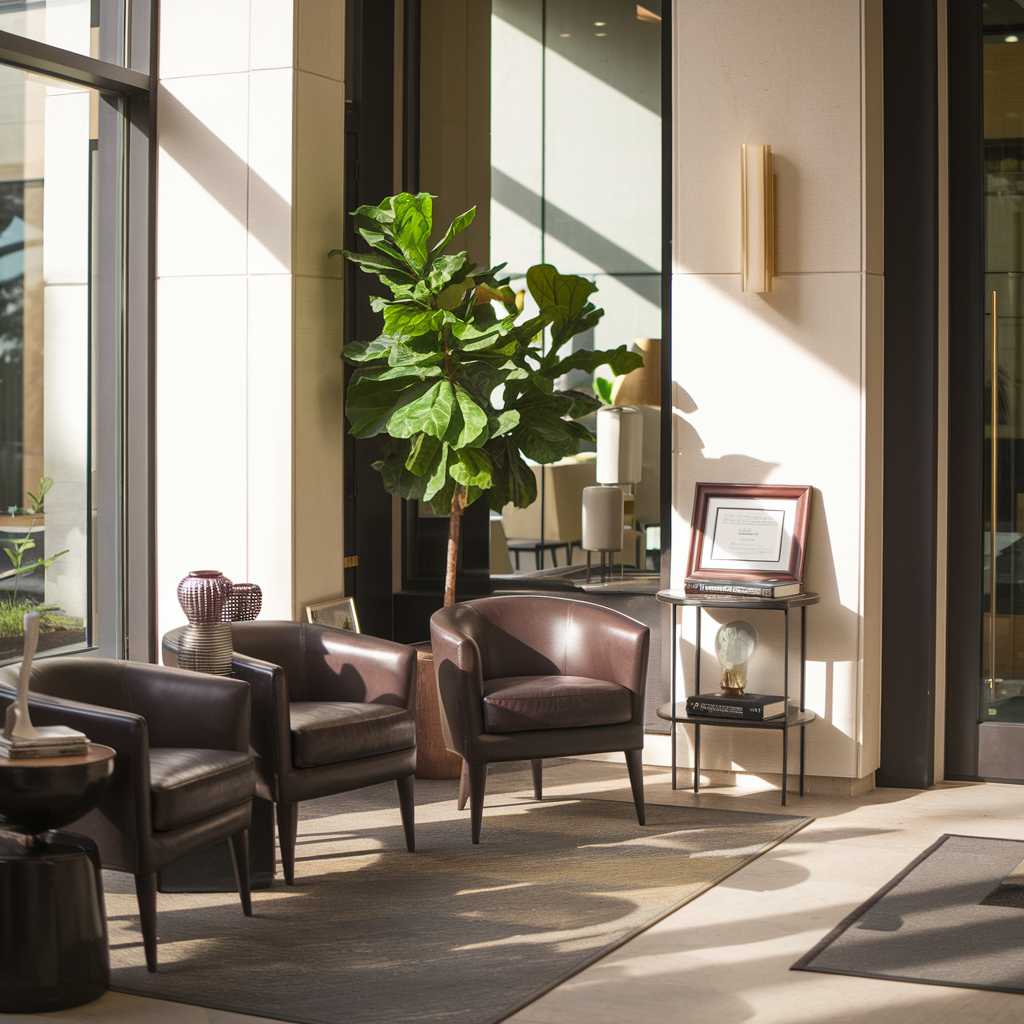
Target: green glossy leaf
point(458, 225)
point(550, 288)
point(402, 321)
point(431, 412)
point(369, 404)
point(367, 351)
point(423, 454)
point(506, 421)
point(474, 420)
point(413, 223)
point(621, 360)
point(472, 468)
point(439, 477)
point(378, 263)
point(443, 269)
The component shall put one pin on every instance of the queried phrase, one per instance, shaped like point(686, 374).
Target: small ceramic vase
point(244, 603)
point(202, 595)
point(206, 640)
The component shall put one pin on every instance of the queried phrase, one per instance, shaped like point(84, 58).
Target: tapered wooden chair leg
point(407, 804)
point(477, 786)
point(287, 833)
point(464, 786)
point(239, 845)
point(538, 778)
point(145, 893)
point(635, 764)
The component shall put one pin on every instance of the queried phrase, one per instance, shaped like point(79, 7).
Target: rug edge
point(803, 964)
point(800, 823)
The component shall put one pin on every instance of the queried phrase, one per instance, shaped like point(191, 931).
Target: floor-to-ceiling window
point(74, 187)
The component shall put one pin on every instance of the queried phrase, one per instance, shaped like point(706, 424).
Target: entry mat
point(454, 933)
point(953, 916)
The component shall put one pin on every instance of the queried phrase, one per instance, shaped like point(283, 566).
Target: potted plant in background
point(21, 537)
point(463, 389)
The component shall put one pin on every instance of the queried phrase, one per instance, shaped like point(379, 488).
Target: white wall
point(785, 387)
point(249, 379)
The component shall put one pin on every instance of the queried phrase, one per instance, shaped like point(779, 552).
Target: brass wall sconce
point(757, 253)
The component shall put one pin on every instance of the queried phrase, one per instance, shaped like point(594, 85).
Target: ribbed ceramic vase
point(244, 603)
point(206, 641)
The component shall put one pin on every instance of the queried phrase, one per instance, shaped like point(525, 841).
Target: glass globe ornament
point(735, 644)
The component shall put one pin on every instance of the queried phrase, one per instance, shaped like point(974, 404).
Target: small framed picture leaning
point(749, 532)
point(339, 613)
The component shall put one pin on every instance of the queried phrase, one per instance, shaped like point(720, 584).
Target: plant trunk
point(454, 534)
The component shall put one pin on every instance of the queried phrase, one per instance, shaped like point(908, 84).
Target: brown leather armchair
point(526, 677)
point(331, 711)
point(183, 778)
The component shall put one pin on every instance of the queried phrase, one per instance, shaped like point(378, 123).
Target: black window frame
point(123, 316)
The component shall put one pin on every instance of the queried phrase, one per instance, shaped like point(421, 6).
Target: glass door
point(1002, 689)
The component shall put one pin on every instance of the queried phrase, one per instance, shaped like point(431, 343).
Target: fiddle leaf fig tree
point(464, 388)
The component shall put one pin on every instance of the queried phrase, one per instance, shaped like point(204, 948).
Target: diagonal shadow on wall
point(636, 275)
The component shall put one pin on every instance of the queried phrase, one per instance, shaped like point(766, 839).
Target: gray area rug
point(455, 933)
point(944, 920)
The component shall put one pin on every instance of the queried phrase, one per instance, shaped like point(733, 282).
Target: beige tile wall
point(249, 412)
point(785, 387)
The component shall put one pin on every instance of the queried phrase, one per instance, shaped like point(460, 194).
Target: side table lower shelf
point(796, 719)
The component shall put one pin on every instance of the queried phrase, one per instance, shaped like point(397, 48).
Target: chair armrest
point(345, 666)
point(459, 670)
point(189, 709)
point(123, 815)
point(620, 657)
point(270, 734)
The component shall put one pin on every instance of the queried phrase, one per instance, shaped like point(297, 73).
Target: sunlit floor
point(725, 956)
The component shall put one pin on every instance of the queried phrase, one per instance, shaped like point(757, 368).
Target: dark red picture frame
point(786, 492)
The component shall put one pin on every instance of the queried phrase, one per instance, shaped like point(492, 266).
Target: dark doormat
point(454, 933)
point(945, 919)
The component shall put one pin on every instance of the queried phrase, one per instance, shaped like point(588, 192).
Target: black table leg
point(785, 728)
point(696, 728)
point(674, 652)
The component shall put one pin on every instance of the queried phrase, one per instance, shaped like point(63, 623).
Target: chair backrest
point(528, 635)
point(98, 681)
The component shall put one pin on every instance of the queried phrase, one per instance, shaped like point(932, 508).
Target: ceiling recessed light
point(1012, 39)
point(600, 24)
point(563, 35)
point(600, 33)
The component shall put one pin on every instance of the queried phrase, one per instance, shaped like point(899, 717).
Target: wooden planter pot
point(433, 759)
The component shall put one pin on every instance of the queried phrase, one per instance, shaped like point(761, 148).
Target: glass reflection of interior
point(576, 182)
point(1002, 691)
point(47, 153)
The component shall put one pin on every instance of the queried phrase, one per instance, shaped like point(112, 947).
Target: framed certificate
point(749, 532)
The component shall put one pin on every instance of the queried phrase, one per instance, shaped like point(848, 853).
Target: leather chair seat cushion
point(188, 785)
point(520, 703)
point(327, 732)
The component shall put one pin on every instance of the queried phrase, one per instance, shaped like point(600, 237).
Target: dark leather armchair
point(331, 711)
point(525, 677)
point(183, 778)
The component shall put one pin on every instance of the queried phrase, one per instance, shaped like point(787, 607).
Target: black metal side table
point(795, 717)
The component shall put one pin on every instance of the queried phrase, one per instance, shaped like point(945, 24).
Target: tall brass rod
point(992, 514)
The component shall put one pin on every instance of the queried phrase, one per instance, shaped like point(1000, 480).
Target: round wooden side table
point(53, 928)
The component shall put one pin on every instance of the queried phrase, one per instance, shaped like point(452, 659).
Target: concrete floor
point(725, 956)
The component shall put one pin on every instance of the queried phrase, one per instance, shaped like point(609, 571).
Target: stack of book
point(743, 588)
point(52, 741)
point(752, 707)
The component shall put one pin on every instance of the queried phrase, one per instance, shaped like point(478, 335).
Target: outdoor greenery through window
point(48, 158)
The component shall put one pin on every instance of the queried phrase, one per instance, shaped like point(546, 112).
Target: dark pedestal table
point(53, 925)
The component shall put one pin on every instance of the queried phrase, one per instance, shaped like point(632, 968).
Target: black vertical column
point(965, 557)
point(911, 332)
point(369, 178)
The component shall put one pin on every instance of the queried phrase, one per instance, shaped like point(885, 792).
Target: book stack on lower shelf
point(750, 707)
point(772, 588)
